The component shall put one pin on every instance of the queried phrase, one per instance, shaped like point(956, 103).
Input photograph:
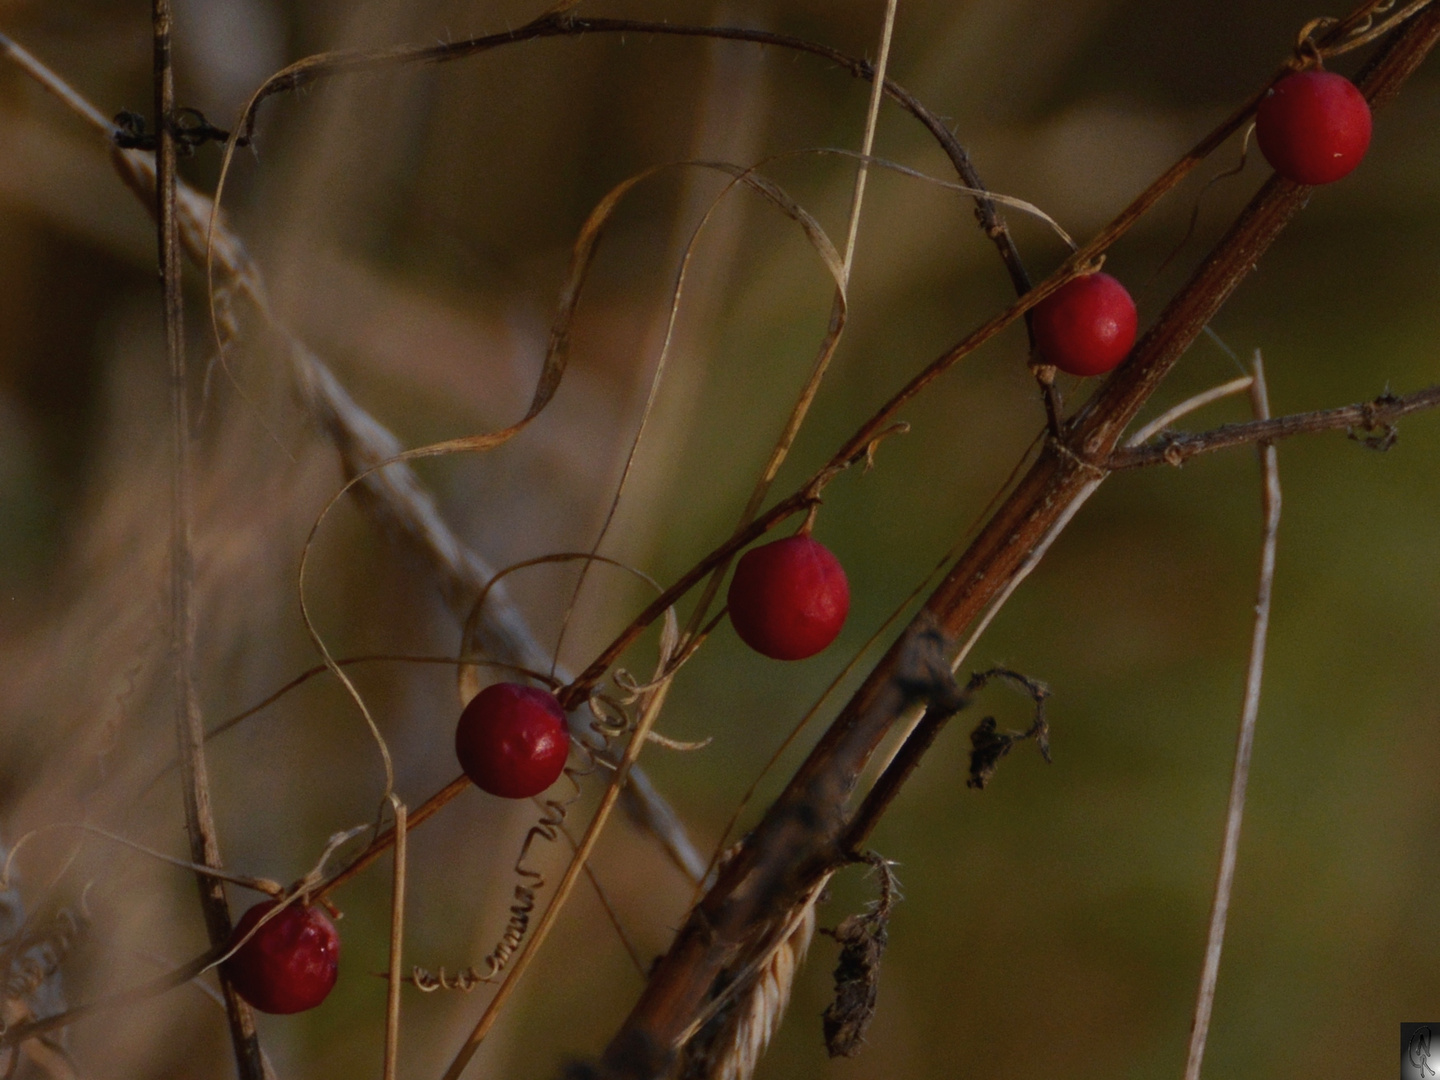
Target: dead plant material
point(989, 745)
point(862, 940)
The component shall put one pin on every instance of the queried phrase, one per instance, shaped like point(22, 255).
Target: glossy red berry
point(512, 740)
point(1085, 327)
point(788, 600)
point(291, 962)
point(1313, 127)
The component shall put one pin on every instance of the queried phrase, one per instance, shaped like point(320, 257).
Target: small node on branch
point(188, 125)
point(1370, 421)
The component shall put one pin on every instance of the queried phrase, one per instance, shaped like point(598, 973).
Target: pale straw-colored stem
point(397, 938)
point(1254, 678)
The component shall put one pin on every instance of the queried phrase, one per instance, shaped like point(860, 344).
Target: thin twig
point(1188, 406)
point(66, 93)
point(561, 22)
point(386, 840)
point(190, 734)
point(161, 984)
point(1379, 414)
point(1374, 32)
point(1245, 742)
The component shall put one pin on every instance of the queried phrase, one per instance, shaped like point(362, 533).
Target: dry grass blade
point(259, 884)
point(1245, 740)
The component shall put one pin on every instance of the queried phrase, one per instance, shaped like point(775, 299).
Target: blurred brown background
point(414, 228)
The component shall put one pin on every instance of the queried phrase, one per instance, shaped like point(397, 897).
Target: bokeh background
point(414, 229)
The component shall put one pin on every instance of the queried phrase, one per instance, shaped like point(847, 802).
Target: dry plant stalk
point(199, 820)
point(1245, 740)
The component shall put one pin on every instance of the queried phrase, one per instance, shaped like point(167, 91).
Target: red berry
point(1313, 127)
point(512, 740)
point(1086, 326)
point(788, 600)
point(291, 962)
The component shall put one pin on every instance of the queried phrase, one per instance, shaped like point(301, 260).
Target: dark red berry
point(1085, 327)
point(788, 600)
point(1313, 127)
point(512, 740)
point(291, 962)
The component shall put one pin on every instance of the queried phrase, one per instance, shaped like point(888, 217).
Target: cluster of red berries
point(788, 599)
point(1313, 128)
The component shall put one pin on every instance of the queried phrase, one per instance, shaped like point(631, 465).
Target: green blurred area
point(415, 227)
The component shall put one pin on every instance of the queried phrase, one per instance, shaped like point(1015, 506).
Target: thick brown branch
point(799, 840)
point(1175, 449)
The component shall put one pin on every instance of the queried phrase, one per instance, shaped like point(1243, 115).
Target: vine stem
point(190, 733)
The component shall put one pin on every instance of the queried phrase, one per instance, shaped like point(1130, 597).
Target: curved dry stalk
point(557, 356)
point(468, 679)
point(1245, 740)
point(818, 239)
point(558, 21)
